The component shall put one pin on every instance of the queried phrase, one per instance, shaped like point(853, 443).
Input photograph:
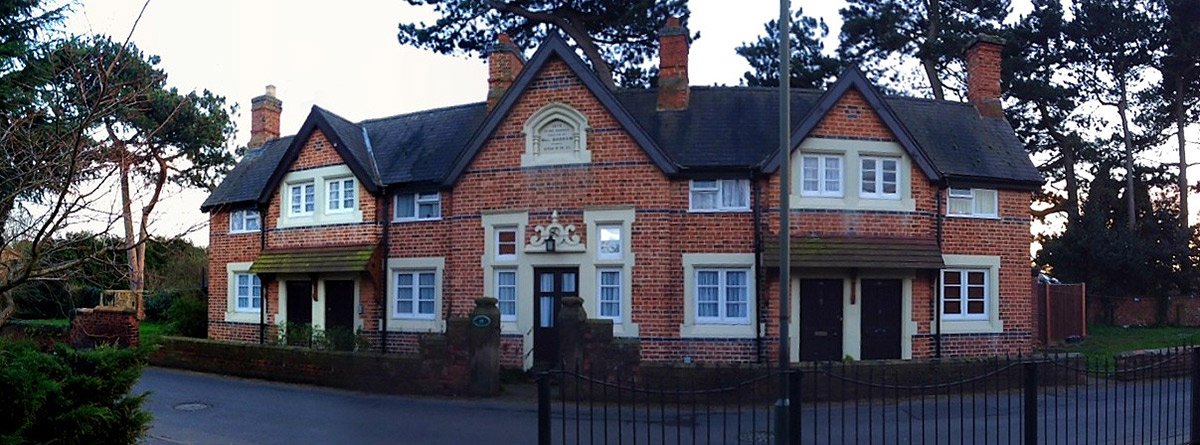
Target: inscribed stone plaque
point(557, 137)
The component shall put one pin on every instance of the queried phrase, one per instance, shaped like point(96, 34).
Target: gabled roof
point(724, 130)
point(555, 46)
point(853, 78)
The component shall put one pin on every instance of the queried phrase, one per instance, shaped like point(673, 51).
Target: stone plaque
point(557, 137)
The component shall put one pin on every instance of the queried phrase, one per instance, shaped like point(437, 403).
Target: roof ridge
point(413, 113)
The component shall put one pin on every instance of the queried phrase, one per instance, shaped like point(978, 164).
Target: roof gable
point(556, 46)
point(348, 139)
point(853, 78)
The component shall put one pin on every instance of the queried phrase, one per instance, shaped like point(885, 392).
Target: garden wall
point(1133, 311)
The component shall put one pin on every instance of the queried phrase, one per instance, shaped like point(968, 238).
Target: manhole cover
point(756, 437)
point(191, 406)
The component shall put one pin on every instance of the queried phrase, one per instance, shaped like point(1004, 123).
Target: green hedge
point(70, 396)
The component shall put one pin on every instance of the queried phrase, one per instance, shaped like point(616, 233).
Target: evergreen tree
point(811, 68)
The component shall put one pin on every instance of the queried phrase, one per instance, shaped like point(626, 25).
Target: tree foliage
point(616, 37)
point(810, 66)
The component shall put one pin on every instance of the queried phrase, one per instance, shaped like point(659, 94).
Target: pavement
point(194, 408)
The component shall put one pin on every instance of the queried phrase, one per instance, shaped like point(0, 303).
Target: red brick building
point(659, 208)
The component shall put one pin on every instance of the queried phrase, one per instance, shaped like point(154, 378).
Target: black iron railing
point(1064, 399)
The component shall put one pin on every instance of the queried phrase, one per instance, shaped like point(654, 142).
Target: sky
point(344, 56)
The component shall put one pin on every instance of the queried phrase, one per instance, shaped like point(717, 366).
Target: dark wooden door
point(299, 313)
point(550, 285)
point(820, 320)
point(882, 314)
point(339, 314)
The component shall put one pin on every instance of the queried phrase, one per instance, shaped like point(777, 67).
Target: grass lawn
point(150, 331)
point(1103, 342)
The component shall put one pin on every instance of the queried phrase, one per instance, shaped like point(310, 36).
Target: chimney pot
point(505, 62)
point(673, 92)
point(983, 75)
point(264, 117)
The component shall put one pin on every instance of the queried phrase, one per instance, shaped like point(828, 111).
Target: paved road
point(255, 412)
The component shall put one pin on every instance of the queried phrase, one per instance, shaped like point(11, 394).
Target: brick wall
point(104, 326)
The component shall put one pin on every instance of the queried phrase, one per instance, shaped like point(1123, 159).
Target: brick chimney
point(264, 118)
point(505, 62)
point(983, 75)
point(673, 66)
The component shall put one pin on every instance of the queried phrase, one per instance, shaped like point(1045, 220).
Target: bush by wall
point(69, 396)
point(188, 317)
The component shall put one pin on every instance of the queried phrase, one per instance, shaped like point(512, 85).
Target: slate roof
point(724, 129)
point(864, 253)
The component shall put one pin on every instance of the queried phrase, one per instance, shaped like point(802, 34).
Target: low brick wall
point(104, 326)
point(1153, 363)
point(1145, 312)
point(439, 368)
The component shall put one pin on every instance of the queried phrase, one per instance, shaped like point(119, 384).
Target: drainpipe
point(262, 246)
point(758, 275)
point(937, 339)
point(381, 289)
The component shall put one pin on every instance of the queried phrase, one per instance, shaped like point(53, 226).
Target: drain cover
point(191, 406)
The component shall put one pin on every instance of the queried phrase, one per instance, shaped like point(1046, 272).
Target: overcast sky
point(344, 56)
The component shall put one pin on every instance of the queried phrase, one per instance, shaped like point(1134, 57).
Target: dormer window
point(555, 135)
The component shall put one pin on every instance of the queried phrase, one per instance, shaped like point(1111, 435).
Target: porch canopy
point(322, 260)
point(858, 253)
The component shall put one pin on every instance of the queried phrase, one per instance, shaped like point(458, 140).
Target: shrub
point(158, 303)
point(188, 316)
point(70, 396)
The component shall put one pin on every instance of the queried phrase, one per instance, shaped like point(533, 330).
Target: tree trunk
point(1123, 110)
point(928, 60)
point(132, 253)
point(1068, 155)
point(1180, 124)
point(8, 306)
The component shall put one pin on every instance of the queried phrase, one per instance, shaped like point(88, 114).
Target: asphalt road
point(192, 408)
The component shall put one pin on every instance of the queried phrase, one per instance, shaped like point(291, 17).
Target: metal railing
point(1140, 399)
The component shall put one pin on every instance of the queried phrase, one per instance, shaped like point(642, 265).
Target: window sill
point(737, 210)
point(990, 217)
point(416, 325)
point(414, 220)
point(243, 317)
point(971, 327)
point(700, 330)
point(243, 232)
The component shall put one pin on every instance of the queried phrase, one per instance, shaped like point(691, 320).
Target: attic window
point(556, 135)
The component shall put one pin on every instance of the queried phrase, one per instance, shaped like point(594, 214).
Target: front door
point(820, 320)
point(550, 286)
point(881, 319)
point(298, 331)
point(339, 314)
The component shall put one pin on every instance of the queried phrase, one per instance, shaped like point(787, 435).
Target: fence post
point(1195, 395)
point(794, 404)
point(543, 395)
point(1031, 414)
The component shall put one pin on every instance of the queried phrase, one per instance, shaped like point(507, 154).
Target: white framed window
point(821, 175)
point(979, 203)
point(723, 195)
point(342, 195)
point(415, 294)
point(418, 206)
point(879, 177)
point(609, 246)
point(248, 293)
point(303, 198)
point(245, 221)
point(609, 293)
point(965, 294)
point(722, 296)
point(506, 293)
point(506, 244)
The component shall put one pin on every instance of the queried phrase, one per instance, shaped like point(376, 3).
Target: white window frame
point(878, 193)
point(972, 194)
point(416, 289)
point(610, 256)
point(343, 192)
point(720, 190)
point(723, 288)
point(305, 201)
point(253, 283)
point(243, 218)
point(418, 199)
point(822, 168)
point(516, 243)
point(963, 315)
point(600, 286)
point(515, 286)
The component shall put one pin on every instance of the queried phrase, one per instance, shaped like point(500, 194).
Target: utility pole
point(782, 408)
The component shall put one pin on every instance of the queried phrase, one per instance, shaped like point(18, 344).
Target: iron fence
point(1142, 399)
